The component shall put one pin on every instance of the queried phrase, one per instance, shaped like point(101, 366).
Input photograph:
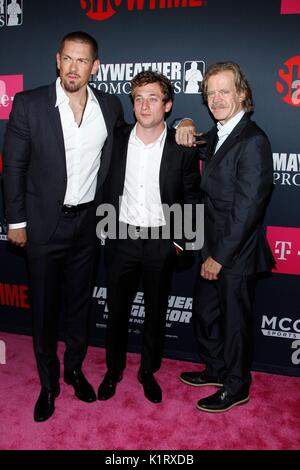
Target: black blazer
point(179, 177)
point(35, 175)
point(237, 183)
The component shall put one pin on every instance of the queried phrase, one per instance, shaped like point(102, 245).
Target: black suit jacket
point(237, 183)
point(179, 177)
point(35, 175)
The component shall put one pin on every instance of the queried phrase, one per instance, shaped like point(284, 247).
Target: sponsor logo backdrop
point(180, 38)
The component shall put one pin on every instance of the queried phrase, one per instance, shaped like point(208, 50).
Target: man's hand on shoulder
point(17, 236)
point(186, 134)
point(210, 269)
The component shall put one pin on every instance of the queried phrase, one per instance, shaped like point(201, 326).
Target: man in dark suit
point(148, 170)
point(236, 183)
point(56, 157)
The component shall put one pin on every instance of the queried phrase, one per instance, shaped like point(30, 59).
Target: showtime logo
point(186, 77)
point(288, 84)
point(100, 10)
point(11, 13)
point(285, 327)
point(285, 245)
point(9, 86)
point(14, 295)
point(286, 169)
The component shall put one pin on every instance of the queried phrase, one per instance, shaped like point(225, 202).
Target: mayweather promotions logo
point(3, 231)
point(186, 77)
point(286, 169)
point(288, 84)
point(11, 12)
point(100, 10)
point(179, 311)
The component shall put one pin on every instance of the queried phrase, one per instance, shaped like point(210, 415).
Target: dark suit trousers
point(62, 270)
point(222, 319)
point(128, 262)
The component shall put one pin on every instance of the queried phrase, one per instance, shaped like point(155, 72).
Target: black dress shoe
point(199, 379)
point(152, 390)
point(83, 389)
point(107, 388)
point(44, 407)
point(222, 401)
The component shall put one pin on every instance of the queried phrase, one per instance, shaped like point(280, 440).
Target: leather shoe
point(107, 388)
point(222, 400)
point(44, 407)
point(199, 379)
point(83, 389)
point(152, 390)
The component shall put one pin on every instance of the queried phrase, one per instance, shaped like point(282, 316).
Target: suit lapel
point(120, 153)
point(54, 118)
point(165, 161)
point(106, 151)
point(215, 159)
point(212, 138)
point(105, 111)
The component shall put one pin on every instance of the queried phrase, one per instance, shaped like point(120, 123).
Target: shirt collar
point(160, 140)
point(227, 128)
point(62, 97)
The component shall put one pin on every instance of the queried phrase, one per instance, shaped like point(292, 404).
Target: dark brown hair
point(148, 76)
point(80, 36)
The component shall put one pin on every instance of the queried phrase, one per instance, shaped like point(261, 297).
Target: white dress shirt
point(225, 129)
point(141, 202)
point(83, 147)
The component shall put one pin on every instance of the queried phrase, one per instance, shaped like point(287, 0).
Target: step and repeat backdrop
point(180, 38)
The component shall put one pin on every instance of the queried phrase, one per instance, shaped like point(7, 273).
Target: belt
point(146, 232)
point(68, 209)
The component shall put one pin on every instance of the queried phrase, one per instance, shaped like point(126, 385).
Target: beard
point(71, 85)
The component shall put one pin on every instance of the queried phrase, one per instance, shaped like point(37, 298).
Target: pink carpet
point(271, 420)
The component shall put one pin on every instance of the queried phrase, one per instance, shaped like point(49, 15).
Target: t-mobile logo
point(290, 7)
point(9, 86)
point(285, 244)
point(283, 249)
